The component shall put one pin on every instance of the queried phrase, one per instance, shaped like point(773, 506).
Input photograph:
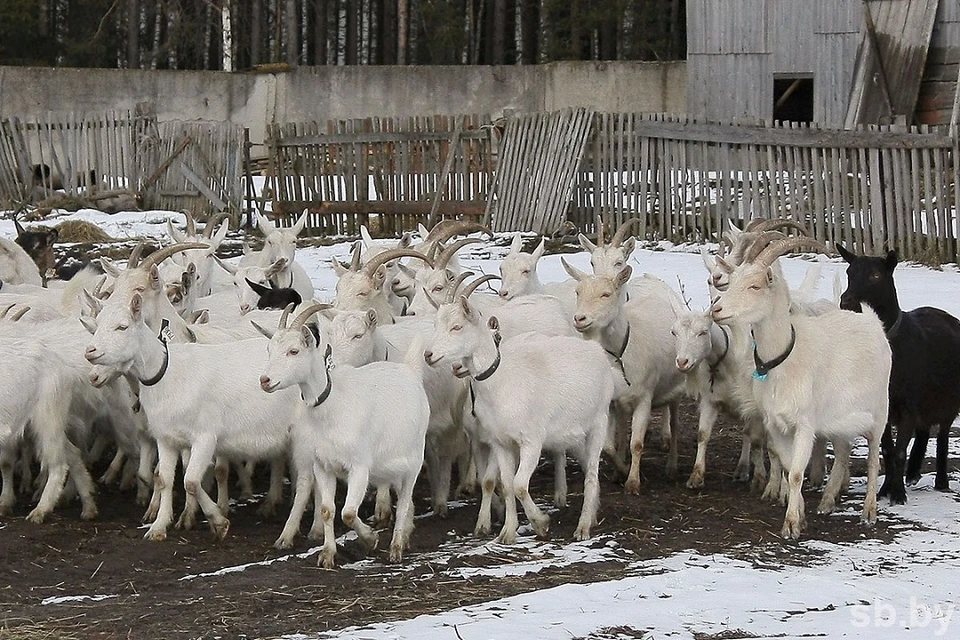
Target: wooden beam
point(872, 39)
point(446, 208)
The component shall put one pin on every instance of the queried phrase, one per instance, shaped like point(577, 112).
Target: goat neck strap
point(895, 327)
point(618, 357)
point(763, 368)
point(403, 311)
point(489, 371)
point(327, 359)
point(163, 337)
point(716, 365)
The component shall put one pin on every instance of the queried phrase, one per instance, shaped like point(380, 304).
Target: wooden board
point(890, 60)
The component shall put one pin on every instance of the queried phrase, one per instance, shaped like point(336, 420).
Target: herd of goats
point(221, 366)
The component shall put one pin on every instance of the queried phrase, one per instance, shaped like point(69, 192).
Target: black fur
point(925, 379)
point(272, 297)
point(38, 243)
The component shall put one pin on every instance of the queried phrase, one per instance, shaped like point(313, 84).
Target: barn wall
point(935, 101)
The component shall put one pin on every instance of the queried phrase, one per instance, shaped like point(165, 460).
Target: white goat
point(637, 332)
point(814, 375)
point(175, 383)
point(280, 243)
point(365, 424)
point(16, 265)
point(529, 393)
point(172, 269)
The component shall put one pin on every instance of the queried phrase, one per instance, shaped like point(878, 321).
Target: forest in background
point(242, 34)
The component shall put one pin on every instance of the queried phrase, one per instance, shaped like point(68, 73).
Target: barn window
point(793, 98)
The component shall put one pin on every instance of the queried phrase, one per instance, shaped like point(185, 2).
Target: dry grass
point(82, 231)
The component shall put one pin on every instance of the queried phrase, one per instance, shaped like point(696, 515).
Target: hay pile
point(81, 231)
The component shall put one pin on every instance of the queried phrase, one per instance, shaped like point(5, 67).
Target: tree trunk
point(320, 32)
point(499, 35)
point(133, 34)
point(290, 27)
point(226, 27)
point(402, 27)
point(352, 48)
point(530, 31)
point(387, 49)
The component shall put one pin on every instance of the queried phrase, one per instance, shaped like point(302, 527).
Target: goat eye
point(122, 327)
point(673, 333)
point(702, 333)
point(618, 263)
point(437, 289)
point(358, 336)
point(293, 352)
point(755, 287)
point(875, 276)
point(604, 295)
point(525, 272)
point(456, 328)
point(362, 294)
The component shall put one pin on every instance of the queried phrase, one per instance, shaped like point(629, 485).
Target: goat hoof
point(507, 537)
point(898, 497)
point(326, 560)
point(396, 552)
point(541, 527)
point(185, 522)
point(632, 487)
point(912, 480)
point(369, 542)
point(482, 530)
point(790, 531)
point(942, 486)
point(89, 513)
point(283, 544)
point(826, 507)
point(266, 510)
point(156, 535)
point(5, 508)
point(315, 535)
point(582, 533)
point(695, 481)
point(439, 509)
point(560, 500)
point(220, 530)
point(36, 516)
point(741, 473)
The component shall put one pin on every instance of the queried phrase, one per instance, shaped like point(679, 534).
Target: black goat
point(274, 297)
point(925, 380)
point(38, 243)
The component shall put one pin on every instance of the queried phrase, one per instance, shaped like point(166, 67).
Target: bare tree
point(133, 34)
point(402, 28)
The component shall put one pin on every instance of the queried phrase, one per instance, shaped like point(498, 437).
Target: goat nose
point(682, 363)
point(504, 294)
point(579, 318)
point(395, 282)
point(264, 381)
point(717, 308)
point(90, 352)
point(428, 356)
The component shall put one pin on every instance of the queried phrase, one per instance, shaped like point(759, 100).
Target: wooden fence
point(389, 173)
point(868, 188)
point(171, 165)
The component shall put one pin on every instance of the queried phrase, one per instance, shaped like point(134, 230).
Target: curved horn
point(391, 254)
point(160, 255)
point(761, 242)
point(355, 257)
point(779, 247)
point(283, 316)
point(304, 315)
point(191, 224)
point(600, 238)
point(212, 223)
point(136, 255)
point(449, 252)
point(755, 223)
point(446, 229)
point(622, 231)
point(773, 225)
point(476, 283)
point(452, 291)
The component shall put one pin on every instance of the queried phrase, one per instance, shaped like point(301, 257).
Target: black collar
point(763, 368)
point(327, 358)
point(489, 371)
point(619, 356)
point(716, 365)
point(164, 324)
point(895, 327)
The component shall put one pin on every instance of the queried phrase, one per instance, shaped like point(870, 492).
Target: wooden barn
point(832, 62)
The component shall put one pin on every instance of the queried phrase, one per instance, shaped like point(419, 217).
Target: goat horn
point(444, 258)
point(446, 229)
point(283, 316)
point(160, 255)
point(452, 291)
point(779, 247)
point(136, 255)
point(304, 315)
point(3, 313)
point(355, 257)
point(19, 314)
point(391, 254)
point(754, 224)
point(761, 242)
point(773, 225)
point(600, 239)
point(212, 223)
point(622, 231)
point(476, 283)
point(191, 224)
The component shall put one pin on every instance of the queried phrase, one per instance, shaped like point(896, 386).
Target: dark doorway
point(793, 99)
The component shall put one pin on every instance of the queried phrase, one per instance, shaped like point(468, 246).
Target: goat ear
point(276, 267)
point(769, 275)
point(451, 276)
point(707, 259)
point(136, 306)
point(268, 334)
point(192, 268)
point(309, 338)
point(623, 277)
point(300, 223)
point(465, 307)
point(493, 323)
point(588, 246)
point(338, 267)
point(155, 278)
point(199, 317)
point(266, 227)
point(422, 231)
point(733, 231)
point(109, 268)
point(226, 266)
point(891, 260)
point(572, 271)
point(538, 252)
point(365, 237)
point(406, 241)
point(258, 289)
point(53, 236)
point(90, 324)
point(372, 318)
point(517, 244)
point(628, 246)
point(380, 275)
point(20, 229)
point(846, 255)
point(177, 235)
point(219, 236)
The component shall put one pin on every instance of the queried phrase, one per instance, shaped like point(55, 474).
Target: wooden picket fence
point(388, 173)
point(171, 165)
point(869, 188)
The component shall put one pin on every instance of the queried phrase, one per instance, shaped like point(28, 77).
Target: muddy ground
point(69, 557)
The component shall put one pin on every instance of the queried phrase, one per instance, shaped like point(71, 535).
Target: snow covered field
point(869, 589)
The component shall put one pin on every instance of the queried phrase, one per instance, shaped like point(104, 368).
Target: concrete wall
point(321, 93)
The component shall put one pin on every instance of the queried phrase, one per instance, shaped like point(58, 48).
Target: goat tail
point(414, 356)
